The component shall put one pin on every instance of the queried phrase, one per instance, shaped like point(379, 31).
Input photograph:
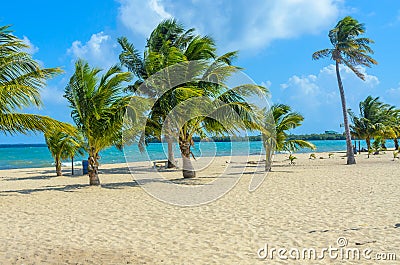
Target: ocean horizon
point(14, 156)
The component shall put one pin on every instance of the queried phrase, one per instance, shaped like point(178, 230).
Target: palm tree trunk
point(396, 143)
point(269, 150)
point(58, 167)
point(383, 146)
point(171, 157)
point(368, 141)
point(350, 155)
point(93, 170)
point(72, 166)
point(187, 167)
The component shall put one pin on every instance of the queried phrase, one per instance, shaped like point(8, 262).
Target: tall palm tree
point(285, 119)
point(351, 50)
point(98, 108)
point(62, 146)
point(21, 79)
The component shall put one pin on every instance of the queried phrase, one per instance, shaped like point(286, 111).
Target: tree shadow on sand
point(70, 188)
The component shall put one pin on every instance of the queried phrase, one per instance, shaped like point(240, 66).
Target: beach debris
point(312, 156)
point(331, 155)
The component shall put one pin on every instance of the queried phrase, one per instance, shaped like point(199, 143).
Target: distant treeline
point(315, 136)
point(307, 137)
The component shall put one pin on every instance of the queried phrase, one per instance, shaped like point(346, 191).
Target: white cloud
point(142, 16)
point(235, 24)
point(266, 84)
point(32, 48)
point(306, 84)
point(99, 50)
point(346, 73)
point(392, 95)
point(52, 95)
point(316, 96)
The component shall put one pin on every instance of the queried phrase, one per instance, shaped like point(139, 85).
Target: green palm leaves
point(21, 79)
point(375, 119)
point(285, 120)
point(181, 73)
point(348, 47)
point(62, 146)
point(98, 107)
point(351, 50)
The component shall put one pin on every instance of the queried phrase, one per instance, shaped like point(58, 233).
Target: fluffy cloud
point(32, 48)
point(392, 95)
point(53, 96)
point(266, 84)
point(99, 50)
point(316, 96)
point(235, 24)
point(142, 16)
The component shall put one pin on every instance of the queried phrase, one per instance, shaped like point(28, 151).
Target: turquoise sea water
point(24, 156)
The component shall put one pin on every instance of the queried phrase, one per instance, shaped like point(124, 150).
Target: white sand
point(60, 220)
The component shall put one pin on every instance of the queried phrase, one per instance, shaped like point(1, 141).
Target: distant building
point(331, 132)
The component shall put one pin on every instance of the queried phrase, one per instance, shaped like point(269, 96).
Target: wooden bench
point(162, 163)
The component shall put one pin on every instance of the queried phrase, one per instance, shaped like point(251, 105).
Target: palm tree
point(168, 44)
point(393, 125)
point(21, 79)
point(351, 50)
point(285, 119)
point(373, 120)
point(98, 108)
point(210, 109)
point(62, 146)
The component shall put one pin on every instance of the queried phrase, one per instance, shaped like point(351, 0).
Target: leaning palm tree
point(285, 119)
point(62, 146)
point(351, 50)
point(205, 107)
point(98, 108)
point(21, 79)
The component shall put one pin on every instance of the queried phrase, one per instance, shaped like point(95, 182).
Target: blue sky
point(276, 39)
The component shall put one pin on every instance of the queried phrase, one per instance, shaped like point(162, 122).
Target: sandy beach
point(312, 204)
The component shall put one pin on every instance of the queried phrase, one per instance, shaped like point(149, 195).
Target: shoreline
point(78, 163)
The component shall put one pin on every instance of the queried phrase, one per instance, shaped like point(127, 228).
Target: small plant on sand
point(395, 155)
point(370, 151)
point(292, 158)
point(330, 155)
point(377, 145)
point(312, 156)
